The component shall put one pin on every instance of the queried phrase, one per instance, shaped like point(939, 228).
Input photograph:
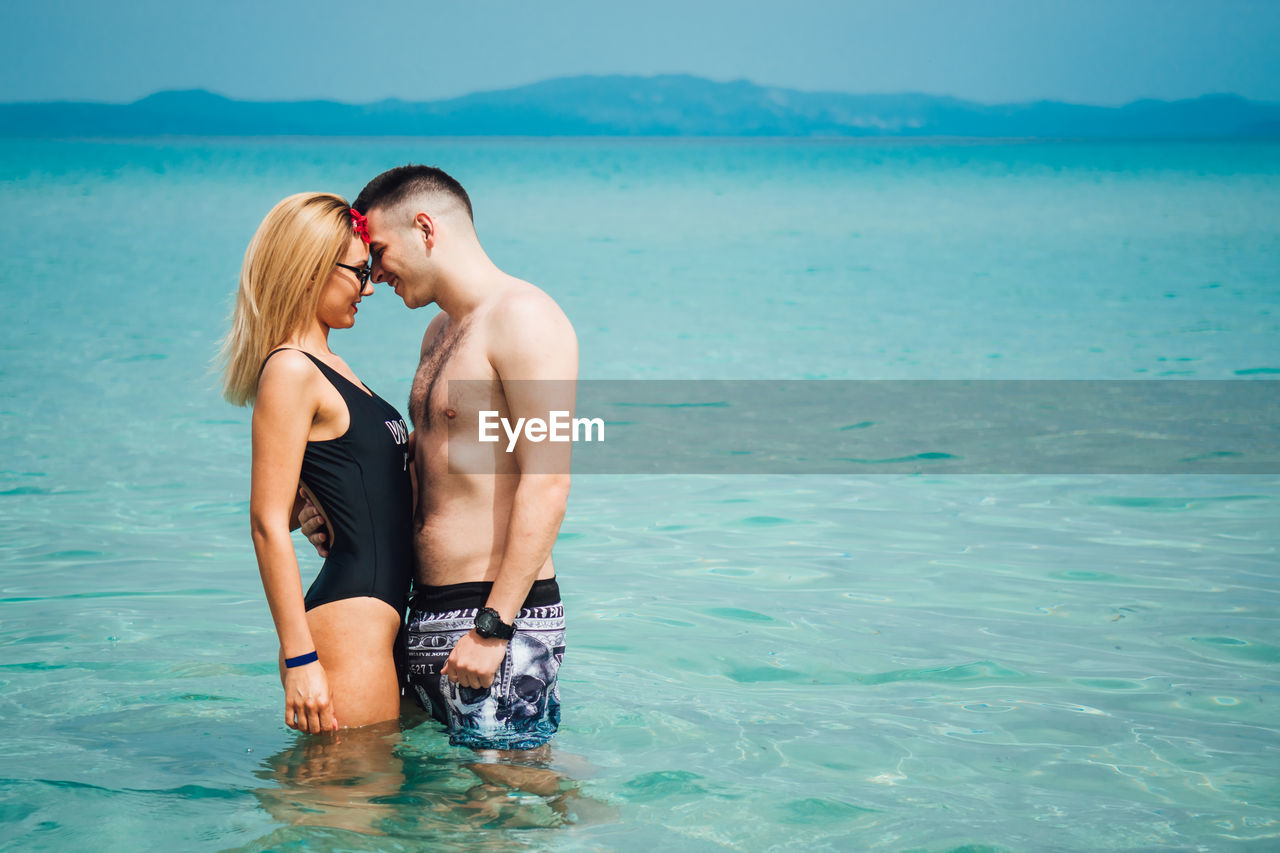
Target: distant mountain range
point(668, 105)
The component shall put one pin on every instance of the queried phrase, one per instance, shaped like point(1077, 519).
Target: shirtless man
point(485, 633)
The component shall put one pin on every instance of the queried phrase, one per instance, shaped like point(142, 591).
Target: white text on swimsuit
point(559, 428)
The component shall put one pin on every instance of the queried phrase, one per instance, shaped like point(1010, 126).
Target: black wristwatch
point(489, 624)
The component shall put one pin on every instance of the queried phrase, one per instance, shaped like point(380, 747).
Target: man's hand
point(312, 524)
point(474, 660)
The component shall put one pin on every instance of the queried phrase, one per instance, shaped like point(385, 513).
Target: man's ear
point(427, 226)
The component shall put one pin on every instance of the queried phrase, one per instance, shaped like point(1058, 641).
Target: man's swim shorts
point(521, 709)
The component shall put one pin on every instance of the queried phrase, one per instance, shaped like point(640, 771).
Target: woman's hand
point(308, 707)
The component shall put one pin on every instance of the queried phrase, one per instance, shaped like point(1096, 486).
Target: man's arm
point(531, 339)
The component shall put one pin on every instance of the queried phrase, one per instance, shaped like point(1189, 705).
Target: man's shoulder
point(522, 303)
point(434, 328)
point(530, 336)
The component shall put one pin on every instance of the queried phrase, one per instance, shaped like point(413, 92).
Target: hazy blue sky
point(1094, 51)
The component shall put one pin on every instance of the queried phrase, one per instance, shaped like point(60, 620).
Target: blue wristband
point(301, 660)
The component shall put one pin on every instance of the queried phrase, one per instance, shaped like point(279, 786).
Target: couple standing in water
point(425, 519)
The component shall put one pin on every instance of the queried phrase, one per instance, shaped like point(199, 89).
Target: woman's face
point(342, 289)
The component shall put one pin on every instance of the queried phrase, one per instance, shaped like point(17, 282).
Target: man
point(485, 632)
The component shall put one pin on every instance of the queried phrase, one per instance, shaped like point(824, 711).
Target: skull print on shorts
point(521, 709)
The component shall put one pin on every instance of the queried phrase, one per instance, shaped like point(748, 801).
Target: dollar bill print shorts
point(521, 709)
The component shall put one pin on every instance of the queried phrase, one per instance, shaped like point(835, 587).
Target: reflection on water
point(341, 781)
point(386, 784)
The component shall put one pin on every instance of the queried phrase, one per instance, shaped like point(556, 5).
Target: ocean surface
point(929, 662)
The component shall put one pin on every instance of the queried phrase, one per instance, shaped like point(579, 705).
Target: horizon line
point(656, 76)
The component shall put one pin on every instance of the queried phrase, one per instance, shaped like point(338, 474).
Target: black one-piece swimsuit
point(361, 479)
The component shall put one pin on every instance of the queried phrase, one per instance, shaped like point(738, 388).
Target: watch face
point(490, 624)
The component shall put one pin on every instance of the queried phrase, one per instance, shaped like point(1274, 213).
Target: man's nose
point(379, 274)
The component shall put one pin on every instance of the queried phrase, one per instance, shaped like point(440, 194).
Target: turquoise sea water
point(810, 663)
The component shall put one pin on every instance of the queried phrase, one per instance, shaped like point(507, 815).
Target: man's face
point(398, 257)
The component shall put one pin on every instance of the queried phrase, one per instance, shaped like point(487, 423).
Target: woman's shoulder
point(286, 370)
point(287, 360)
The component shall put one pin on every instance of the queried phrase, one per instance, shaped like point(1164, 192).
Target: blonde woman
point(304, 274)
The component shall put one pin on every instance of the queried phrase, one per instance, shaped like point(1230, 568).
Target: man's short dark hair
point(403, 182)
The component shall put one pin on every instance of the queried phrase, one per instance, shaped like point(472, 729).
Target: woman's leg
point(355, 638)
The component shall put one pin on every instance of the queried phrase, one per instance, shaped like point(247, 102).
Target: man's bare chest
point(455, 355)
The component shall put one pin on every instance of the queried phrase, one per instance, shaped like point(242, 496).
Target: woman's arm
point(286, 405)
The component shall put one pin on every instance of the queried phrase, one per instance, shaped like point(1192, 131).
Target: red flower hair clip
point(360, 224)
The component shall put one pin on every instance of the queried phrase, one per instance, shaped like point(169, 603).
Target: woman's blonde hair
point(295, 247)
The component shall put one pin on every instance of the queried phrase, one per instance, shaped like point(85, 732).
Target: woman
point(304, 273)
